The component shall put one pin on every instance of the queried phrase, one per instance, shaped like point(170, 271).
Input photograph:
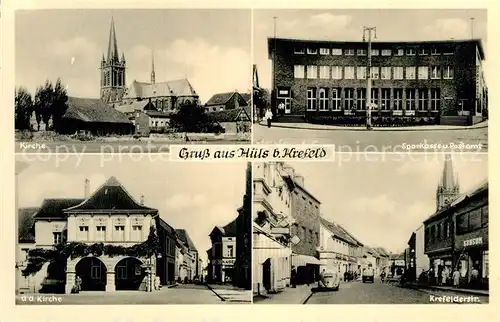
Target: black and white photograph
point(131, 81)
point(123, 231)
point(426, 89)
point(328, 233)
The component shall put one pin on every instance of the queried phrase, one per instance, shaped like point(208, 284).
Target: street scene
point(373, 84)
point(331, 234)
point(133, 232)
point(152, 89)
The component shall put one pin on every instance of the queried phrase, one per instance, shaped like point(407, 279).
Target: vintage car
point(329, 281)
point(368, 274)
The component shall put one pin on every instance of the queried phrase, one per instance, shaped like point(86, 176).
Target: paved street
point(382, 293)
point(377, 140)
point(182, 294)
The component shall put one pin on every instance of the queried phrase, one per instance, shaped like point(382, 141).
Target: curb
point(374, 129)
point(462, 291)
point(173, 285)
point(211, 289)
point(307, 298)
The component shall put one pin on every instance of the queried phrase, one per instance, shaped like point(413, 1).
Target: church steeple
point(152, 67)
point(112, 44)
point(448, 188)
point(112, 70)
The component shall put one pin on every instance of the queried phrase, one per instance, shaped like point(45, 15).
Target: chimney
point(86, 188)
point(142, 200)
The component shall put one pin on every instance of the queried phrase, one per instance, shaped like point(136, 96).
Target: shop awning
point(302, 260)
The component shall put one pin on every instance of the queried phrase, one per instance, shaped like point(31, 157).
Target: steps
point(461, 120)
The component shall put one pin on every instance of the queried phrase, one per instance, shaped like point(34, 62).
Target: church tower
point(448, 188)
point(152, 68)
point(112, 71)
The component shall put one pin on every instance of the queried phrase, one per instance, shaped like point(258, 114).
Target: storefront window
point(475, 220)
point(485, 269)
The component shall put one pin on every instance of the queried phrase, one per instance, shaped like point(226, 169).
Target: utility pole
point(472, 27)
point(369, 30)
point(274, 67)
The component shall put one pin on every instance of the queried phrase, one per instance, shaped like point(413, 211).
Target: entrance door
point(92, 271)
point(266, 274)
point(284, 97)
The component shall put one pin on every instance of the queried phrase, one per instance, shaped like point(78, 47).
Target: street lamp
point(369, 30)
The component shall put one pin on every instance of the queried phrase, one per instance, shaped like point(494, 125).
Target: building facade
point(272, 220)
point(243, 263)
point(225, 101)
point(306, 214)
point(337, 250)
point(222, 254)
point(412, 82)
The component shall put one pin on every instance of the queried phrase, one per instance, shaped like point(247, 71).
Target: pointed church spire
point(152, 67)
point(112, 44)
point(448, 177)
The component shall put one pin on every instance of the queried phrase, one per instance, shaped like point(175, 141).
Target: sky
point(210, 47)
point(347, 25)
point(192, 196)
point(385, 215)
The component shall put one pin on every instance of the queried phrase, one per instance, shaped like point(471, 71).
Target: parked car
point(368, 274)
point(330, 280)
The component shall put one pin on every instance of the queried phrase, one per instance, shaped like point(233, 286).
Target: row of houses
point(453, 238)
point(291, 234)
point(106, 239)
point(230, 255)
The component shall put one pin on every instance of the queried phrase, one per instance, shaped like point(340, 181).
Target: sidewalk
point(289, 295)
point(229, 293)
point(449, 289)
point(321, 127)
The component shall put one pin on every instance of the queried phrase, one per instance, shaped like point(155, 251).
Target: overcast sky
point(211, 47)
point(382, 203)
point(392, 25)
point(193, 196)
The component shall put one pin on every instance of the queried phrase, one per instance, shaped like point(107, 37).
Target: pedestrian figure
point(456, 277)
point(268, 117)
point(474, 274)
point(293, 277)
point(281, 108)
point(444, 275)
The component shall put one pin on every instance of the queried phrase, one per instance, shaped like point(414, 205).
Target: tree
point(59, 100)
point(43, 103)
point(23, 109)
point(191, 118)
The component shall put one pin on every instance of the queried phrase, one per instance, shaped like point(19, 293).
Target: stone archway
point(93, 272)
point(129, 274)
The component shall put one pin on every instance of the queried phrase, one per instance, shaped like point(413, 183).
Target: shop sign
point(228, 261)
point(283, 92)
point(473, 241)
point(399, 262)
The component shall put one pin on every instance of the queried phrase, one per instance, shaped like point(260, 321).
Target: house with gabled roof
point(188, 267)
point(222, 254)
point(226, 101)
point(107, 226)
point(236, 120)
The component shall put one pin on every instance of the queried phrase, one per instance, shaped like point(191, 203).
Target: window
point(486, 269)
point(119, 233)
point(100, 233)
point(349, 72)
point(312, 72)
point(95, 270)
point(438, 231)
point(361, 52)
point(386, 99)
point(361, 99)
point(230, 251)
point(448, 51)
point(298, 71)
point(410, 99)
point(435, 99)
point(374, 97)
point(410, 72)
point(336, 72)
point(323, 99)
point(398, 72)
point(324, 51)
point(299, 50)
point(385, 73)
point(435, 72)
point(361, 72)
point(57, 237)
point(349, 52)
point(400, 52)
point(475, 219)
point(83, 233)
point(398, 99)
point(336, 99)
point(324, 72)
point(311, 99)
point(410, 52)
point(422, 99)
point(312, 51)
point(423, 52)
point(448, 72)
point(349, 98)
point(336, 51)
point(386, 52)
point(121, 272)
point(374, 72)
point(374, 52)
point(434, 51)
point(484, 216)
point(136, 233)
point(423, 72)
